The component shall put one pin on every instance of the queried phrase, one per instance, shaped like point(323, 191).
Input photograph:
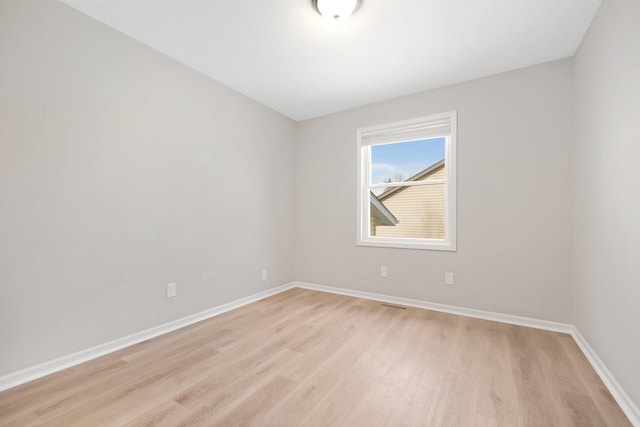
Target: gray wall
point(607, 233)
point(121, 171)
point(515, 142)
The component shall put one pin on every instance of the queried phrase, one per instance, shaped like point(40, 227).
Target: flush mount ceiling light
point(336, 10)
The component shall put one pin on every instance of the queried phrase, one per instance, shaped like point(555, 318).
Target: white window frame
point(426, 127)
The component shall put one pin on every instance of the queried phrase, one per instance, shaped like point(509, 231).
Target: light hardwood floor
point(306, 358)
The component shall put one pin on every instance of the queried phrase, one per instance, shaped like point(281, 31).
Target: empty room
point(319, 213)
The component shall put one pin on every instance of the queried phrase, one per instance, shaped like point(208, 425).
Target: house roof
point(417, 177)
point(380, 212)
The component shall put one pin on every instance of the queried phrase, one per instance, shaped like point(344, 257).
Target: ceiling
point(283, 54)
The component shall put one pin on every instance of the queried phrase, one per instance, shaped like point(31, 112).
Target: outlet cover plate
point(448, 279)
point(171, 290)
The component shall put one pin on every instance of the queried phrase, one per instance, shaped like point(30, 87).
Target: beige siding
point(372, 225)
point(420, 210)
point(437, 174)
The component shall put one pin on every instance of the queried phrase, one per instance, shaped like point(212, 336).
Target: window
point(407, 184)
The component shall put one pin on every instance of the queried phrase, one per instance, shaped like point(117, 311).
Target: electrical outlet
point(383, 271)
point(448, 279)
point(264, 274)
point(171, 290)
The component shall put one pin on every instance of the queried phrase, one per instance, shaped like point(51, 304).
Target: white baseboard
point(64, 362)
point(469, 312)
point(630, 409)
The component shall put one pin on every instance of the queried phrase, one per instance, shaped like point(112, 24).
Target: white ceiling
point(283, 54)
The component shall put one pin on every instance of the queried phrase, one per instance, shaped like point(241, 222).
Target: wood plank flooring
point(306, 358)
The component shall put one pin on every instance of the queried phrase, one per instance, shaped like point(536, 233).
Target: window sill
point(408, 244)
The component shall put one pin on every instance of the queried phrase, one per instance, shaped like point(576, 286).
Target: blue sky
point(406, 158)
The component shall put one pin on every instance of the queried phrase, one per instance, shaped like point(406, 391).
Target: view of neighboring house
point(415, 211)
point(380, 215)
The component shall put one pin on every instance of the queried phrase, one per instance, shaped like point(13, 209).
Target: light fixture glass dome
point(336, 10)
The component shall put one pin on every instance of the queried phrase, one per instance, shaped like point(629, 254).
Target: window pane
point(401, 161)
point(416, 211)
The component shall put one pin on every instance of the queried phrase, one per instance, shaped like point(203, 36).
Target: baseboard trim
point(469, 312)
point(29, 374)
point(629, 408)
